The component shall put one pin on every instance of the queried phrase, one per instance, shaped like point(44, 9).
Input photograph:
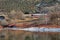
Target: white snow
point(35, 29)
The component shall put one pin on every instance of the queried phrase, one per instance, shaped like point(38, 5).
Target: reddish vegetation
point(26, 25)
point(32, 25)
point(1, 28)
point(50, 26)
point(21, 25)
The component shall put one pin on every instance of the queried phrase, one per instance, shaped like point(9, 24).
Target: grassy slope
point(24, 5)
